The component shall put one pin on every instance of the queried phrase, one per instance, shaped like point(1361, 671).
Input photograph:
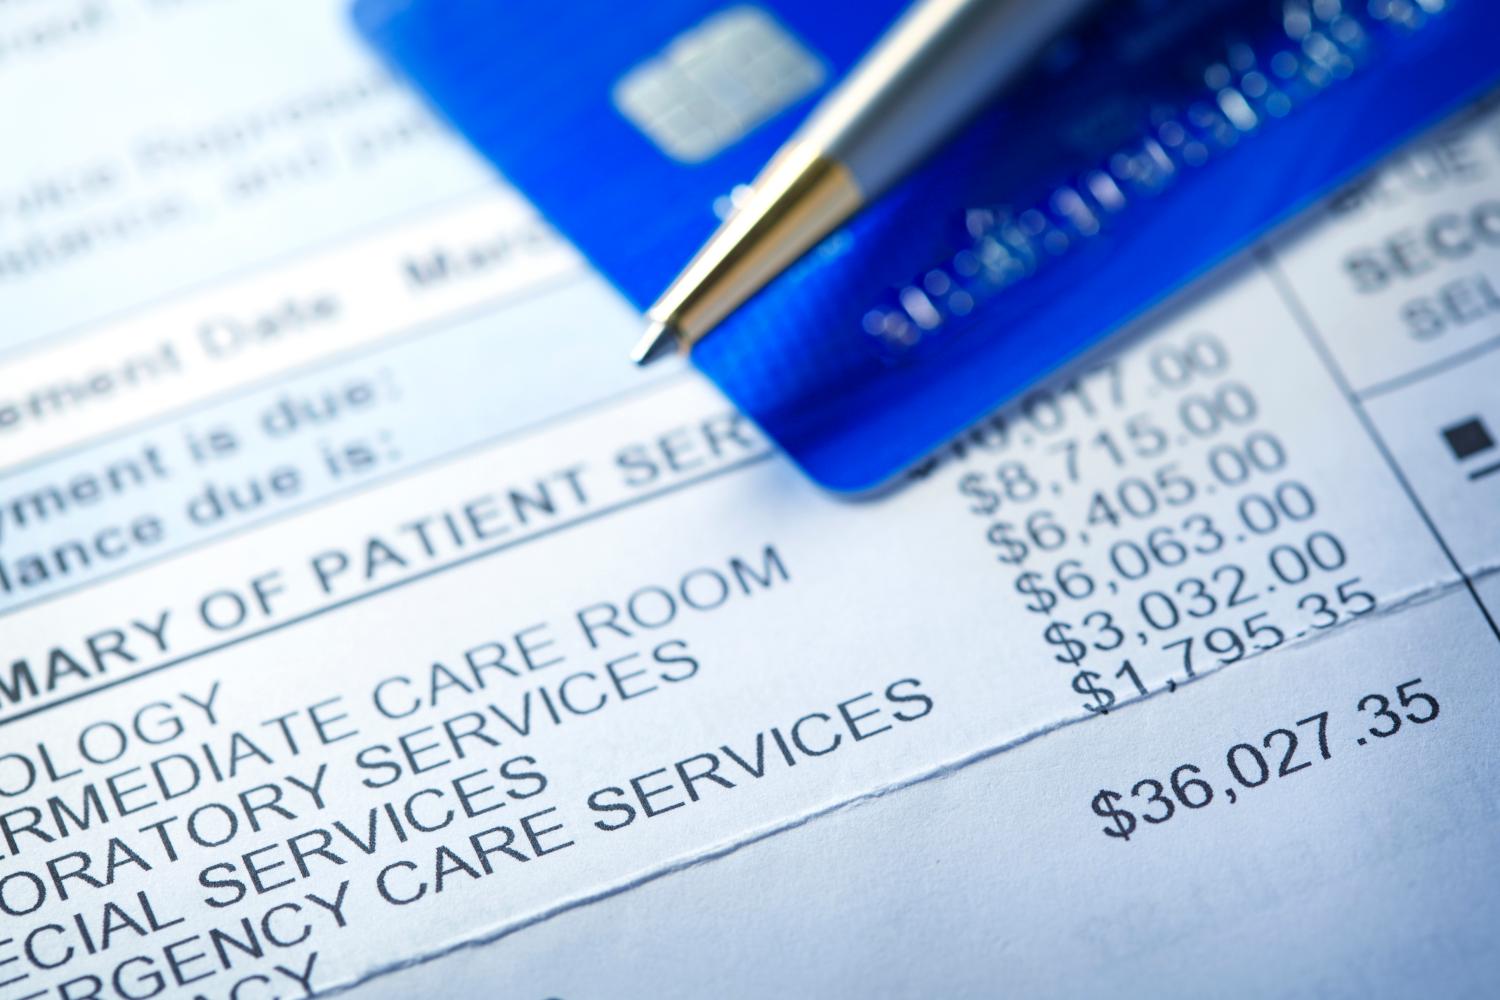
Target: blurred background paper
point(370, 626)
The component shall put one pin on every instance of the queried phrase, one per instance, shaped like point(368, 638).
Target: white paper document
point(369, 625)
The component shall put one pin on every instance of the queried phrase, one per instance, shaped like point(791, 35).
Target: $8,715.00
point(1280, 754)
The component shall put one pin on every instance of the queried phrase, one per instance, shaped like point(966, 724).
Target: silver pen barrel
point(930, 71)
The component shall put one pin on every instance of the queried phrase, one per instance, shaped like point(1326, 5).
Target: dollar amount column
point(1406, 308)
point(1202, 497)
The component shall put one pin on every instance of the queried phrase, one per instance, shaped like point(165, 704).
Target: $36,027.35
point(1280, 754)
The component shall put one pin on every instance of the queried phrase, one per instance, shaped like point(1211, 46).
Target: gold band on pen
point(799, 198)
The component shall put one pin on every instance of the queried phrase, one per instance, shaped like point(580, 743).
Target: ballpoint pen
point(1059, 179)
point(924, 77)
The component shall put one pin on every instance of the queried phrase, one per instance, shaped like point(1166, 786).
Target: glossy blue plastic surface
point(530, 84)
point(1157, 140)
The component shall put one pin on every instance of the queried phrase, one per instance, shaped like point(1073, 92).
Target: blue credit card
point(1156, 139)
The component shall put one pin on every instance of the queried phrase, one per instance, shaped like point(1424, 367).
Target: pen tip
point(658, 341)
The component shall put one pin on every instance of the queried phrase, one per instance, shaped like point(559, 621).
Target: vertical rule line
point(1266, 258)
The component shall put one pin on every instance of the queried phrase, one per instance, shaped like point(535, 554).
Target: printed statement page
point(369, 625)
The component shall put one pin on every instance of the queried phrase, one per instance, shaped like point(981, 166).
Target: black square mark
point(1468, 438)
